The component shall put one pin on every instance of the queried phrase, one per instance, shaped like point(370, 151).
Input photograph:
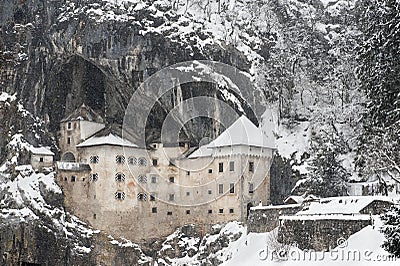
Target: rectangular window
point(171, 179)
point(68, 140)
point(231, 188)
point(187, 211)
point(209, 211)
point(41, 159)
point(231, 210)
point(221, 210)
point(251, 167)
point(94, 216)
point(220, 167)
point(221, 188)
point(188, 173)
point(153, 179)
point(69, 125)
point(152, 197)
point(188, 193)
point(232, 166)
point(154, 210)
point(169, 213)
point(73, 178)
point(155, 162)
point(251, 188)
point(171, 197)
point(210, 171)
point(209, 192)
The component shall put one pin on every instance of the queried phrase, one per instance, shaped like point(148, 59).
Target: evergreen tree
point(327, 176)
point(379, 70)
point(391, 229)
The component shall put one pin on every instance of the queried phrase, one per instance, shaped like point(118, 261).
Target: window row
point(120, 159)
point(231, 167)
point(120, 195)
point(220, 211)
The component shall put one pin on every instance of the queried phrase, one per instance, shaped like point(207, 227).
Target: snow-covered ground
point(362, 248)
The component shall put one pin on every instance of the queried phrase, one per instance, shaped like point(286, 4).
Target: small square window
point(221, 210)
point(154, 210)
point(232, 166)
point(155, 162)
point(152, 197)
point(73, 178)
point(169, 213)
point(220, 167)
point(172, 179)
point(231, 188)
point(188, 193)
point(209, 192)
point(187, 211)
point(231, 210)
point(210, 171)
point(251, 167)
point(41, 159)
point(153, 179)
point(209, 211)
point(171, 197)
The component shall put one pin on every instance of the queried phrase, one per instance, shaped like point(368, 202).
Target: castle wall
point(266, 218)
point(320, 234)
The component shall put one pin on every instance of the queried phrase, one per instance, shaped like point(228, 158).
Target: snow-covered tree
point(379, 70)
point(391, 229)
point(327, 176)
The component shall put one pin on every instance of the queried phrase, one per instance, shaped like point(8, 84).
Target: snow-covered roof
point(341, 205)
point(109, 139)
point(297, 199)
point(241, 132)
point(41, 151)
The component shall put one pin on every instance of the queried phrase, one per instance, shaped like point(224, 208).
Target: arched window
point(94, 177)
point(68, 157)
point(132, 160)
point(120, 159)
point(142, 196)
point(94, 159)
point(142, 179)
point(142, 161)
point(119, 195)
point(119, 177)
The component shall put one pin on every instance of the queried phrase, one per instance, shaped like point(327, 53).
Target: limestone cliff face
point(68, 52)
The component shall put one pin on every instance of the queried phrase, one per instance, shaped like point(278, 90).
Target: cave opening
point(77, 81)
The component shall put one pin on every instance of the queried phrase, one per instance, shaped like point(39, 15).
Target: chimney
point(83, 111)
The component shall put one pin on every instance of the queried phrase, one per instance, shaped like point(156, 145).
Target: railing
point(70, 166)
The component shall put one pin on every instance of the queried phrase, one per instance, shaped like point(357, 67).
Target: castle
point(141, 193)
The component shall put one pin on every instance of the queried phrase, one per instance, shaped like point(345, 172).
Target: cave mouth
point(78, 81)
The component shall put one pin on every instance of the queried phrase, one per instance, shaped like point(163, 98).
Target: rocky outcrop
point(97, 52)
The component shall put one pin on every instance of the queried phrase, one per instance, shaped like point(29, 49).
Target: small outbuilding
point(41, 157)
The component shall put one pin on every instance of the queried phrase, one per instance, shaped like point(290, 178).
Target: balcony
point(75, 167)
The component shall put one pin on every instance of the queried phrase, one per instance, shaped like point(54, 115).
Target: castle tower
point(75, 128)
